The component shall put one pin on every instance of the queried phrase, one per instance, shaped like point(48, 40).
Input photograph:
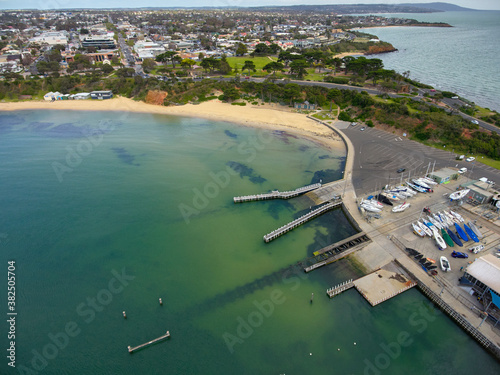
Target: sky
point(64, 4)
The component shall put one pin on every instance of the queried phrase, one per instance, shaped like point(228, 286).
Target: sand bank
point(263, 116)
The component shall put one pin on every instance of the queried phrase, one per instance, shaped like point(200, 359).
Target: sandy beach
point(262, 116)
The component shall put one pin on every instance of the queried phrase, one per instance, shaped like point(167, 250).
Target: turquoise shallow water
point(104, 213)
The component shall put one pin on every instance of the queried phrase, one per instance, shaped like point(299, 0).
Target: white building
point(51, 38)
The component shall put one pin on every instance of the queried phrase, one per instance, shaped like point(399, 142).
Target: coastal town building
point(51, 38)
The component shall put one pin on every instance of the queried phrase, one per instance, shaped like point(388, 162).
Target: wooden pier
point(142, 346)
point(277, 194)
point(332, 292)
point(301, 220)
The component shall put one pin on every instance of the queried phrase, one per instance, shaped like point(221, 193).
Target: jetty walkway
point(277, 194)
point(142, 346)
point(301, 220)
point(332, 292)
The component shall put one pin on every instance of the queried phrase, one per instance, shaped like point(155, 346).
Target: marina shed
point(484, 277)
point(101, 95)
point(444, 175)
point(80, 96)
point(478, 191)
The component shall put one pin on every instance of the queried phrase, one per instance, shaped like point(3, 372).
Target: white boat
point(445, 265)
point(459, 194)
point(369, 207)
point(420, 189)
point(425, 228)
point(431, 226)
point(448, 218)
point(417, 230)
point(458, 216)
point(439, 240)
point(401, 194)
point(428, 180)
point(451, 219)
point(441, 221)
point(435, 222)
point(477, 249)
point(421, 183)
point(401, 207)
point(373, 203)
point(475, 229)
point(392, 197)
point(406, 189)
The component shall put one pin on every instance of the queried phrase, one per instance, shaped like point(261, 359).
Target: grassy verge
point(259, 62)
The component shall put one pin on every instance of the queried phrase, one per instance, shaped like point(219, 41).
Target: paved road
point(379, 154)
point(450, 102)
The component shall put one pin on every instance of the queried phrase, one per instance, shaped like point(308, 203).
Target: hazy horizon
point(110, 4)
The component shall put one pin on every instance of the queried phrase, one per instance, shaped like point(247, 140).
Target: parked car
point(401, 170)
point(458, 254)
point(462, 170)
point(362, 129)
point(471, 158)
point(475, 122)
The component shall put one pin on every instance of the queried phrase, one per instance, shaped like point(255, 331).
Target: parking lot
point(379, 154)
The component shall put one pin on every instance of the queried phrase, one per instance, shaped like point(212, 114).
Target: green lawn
point(259, 62)
point(313, 75)
point(325, 115)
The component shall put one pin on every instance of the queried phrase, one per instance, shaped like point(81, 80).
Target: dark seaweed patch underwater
point(124, 156)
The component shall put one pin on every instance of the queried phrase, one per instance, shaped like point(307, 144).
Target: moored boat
point(439, 241)
point(401, 207)
point(471, 233)
point(447, 238)
point(417, 230)
point(445, 264)
point(461, 233)
point(425, 228)
point(454, 237)
point(475, 229)
point(459, 194)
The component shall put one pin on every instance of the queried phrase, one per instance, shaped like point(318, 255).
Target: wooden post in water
point(125, 315)
point(312, 297)
point(161, 302)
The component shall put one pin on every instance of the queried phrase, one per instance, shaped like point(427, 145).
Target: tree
point(165, 57)
point(224, 66)
point(241, 49)
point(187, 64)
point(292, 92)
point(148, 65)
point(273, 67)
point(230, 94)
point(298, 68)
point(107, 68)
point(261, 49)
point(248, 65)
point(210, 64)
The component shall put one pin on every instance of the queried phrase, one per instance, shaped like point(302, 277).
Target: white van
point(462, 170)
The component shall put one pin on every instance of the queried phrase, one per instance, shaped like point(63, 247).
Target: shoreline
point(270, 117)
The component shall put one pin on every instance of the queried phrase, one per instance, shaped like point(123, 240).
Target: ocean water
point(462, 59)
point(104, 213)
